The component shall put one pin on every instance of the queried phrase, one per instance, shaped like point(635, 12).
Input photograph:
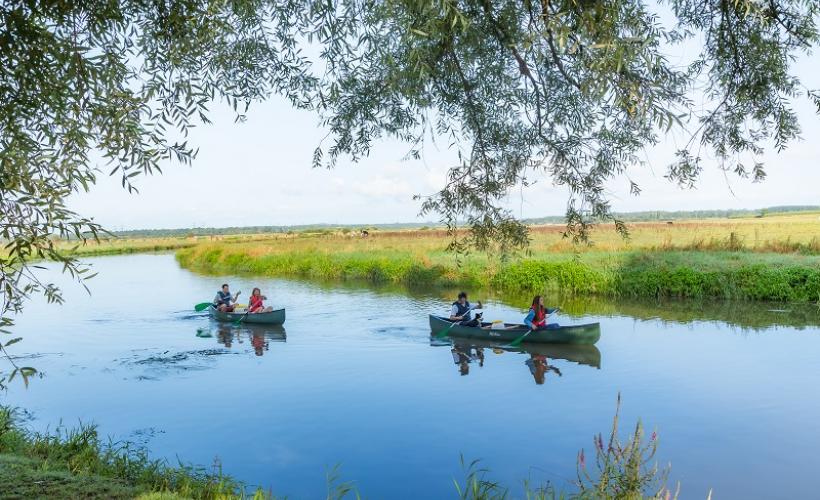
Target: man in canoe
point(224, 301)
point(462, 311)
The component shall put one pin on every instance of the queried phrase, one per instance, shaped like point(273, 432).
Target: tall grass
point(772, 258)
point(621, 469)
point(657, 274)
point(76, 463)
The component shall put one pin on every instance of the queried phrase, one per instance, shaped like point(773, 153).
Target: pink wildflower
point(654, 435)
point(581, 459)
point(600, 443)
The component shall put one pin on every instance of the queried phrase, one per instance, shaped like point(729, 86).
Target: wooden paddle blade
point(202, 306)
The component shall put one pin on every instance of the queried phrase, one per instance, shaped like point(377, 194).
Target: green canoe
point(570, 334)
point(276, 317)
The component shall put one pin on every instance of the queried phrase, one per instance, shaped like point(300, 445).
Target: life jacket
point(463, 310)
point(223, 298)
point(536, 321)
point(255, 303)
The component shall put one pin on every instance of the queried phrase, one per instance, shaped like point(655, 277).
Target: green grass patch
point(76, 463)
point(737, 275)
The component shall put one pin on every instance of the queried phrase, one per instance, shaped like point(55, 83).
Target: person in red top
point(255, 304)
point(537, 316)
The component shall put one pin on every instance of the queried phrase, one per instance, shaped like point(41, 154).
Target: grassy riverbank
point(694, 259)
point(77, 463)
point(773, 258)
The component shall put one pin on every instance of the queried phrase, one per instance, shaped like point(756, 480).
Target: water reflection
point(464, 354)
point(260, 336)
point(539, 367)
point(752, 316)
point(681, 366)
point(467, 353)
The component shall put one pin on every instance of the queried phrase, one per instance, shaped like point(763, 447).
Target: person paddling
point(256, 304)
point(224, 301)
point(462, 311)
point(537, 317)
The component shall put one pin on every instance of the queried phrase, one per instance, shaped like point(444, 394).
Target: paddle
point(517, 342)
point(443, 333)
point(247, 311)
point(204, 305)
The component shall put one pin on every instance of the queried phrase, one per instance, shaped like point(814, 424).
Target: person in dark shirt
point(224, 301)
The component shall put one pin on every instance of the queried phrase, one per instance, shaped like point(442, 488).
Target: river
point(353, 379)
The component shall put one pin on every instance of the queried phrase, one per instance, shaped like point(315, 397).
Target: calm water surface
point(353, 379)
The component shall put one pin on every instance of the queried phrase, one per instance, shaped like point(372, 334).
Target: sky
point(259, 173)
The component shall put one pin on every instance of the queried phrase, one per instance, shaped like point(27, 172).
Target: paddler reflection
point(464, 354)
point(224, 335)
point(539, 367)
point(539, 358)
point(260, 336)
point(259, 343)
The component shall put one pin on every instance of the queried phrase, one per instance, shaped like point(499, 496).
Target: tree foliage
point(114, 87)
point(572, 90)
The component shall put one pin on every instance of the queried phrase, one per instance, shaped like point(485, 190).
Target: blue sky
point(259, 173)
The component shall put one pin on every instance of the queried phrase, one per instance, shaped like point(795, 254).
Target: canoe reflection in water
point(539, 361)
point(260, 336)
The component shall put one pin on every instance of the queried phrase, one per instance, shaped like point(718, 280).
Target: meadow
point(771, 258)
point(776, 257)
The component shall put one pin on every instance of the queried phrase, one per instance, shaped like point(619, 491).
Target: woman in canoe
point(256, 304)
point(537, 317)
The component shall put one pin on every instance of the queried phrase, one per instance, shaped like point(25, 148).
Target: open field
point(797, 232)
point(118, 246)
point(773, 258)
point(755, 258)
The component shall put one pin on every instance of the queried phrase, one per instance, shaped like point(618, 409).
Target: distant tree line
point(306, 228)
point(644, 216)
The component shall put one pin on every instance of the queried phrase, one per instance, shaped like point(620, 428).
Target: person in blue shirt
point(461, 311)
point(537, 316)
point(224, 301)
